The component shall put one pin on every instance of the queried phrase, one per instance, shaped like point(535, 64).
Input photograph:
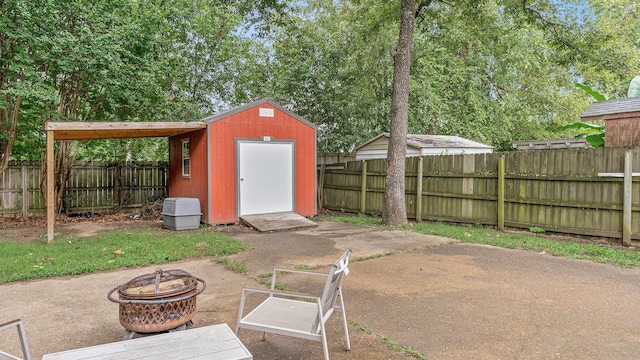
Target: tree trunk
point(65, 155)
point(8, 125)
point(394, 211)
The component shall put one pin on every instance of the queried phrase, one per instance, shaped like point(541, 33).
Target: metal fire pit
point(157, 302)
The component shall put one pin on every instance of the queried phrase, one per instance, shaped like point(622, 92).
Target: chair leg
point(344, 321)
point(264, 336)
point(23, 341)
point(240, 311)
point(325, 346)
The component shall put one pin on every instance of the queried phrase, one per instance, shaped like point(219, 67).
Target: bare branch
point(547, 22)
point(540, 16)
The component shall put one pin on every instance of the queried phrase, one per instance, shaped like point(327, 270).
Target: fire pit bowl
point(157, 302)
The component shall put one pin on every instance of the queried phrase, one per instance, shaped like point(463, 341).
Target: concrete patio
point(443, 299)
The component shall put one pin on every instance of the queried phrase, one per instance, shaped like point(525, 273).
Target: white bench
point(208, 342)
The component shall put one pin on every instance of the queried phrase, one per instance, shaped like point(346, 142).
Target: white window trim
point(185, 156)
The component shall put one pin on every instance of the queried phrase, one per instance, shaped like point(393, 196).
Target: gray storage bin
point(181, 213)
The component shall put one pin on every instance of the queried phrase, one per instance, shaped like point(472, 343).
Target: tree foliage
point(492, 70)
point(23, 91)
point(495, 71)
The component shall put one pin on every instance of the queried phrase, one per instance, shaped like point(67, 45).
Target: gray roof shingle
point(608, 107)
point(444, 141)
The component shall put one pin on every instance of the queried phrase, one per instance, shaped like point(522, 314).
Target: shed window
point(186, 164)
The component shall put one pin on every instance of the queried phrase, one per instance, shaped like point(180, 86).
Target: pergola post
point(51, 202)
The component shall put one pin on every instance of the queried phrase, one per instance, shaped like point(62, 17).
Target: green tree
point(23, 93)
point(95, 64)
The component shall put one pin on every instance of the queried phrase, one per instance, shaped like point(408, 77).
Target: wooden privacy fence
point(92, 187)
point(576, 191)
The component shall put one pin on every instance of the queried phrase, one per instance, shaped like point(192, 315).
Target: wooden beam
point(131, 125)
point(51, 203)
point(114, 130)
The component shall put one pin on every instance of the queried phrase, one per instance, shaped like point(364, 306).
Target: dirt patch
point(34, 229)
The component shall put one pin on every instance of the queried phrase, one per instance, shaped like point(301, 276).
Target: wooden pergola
point(101, 130)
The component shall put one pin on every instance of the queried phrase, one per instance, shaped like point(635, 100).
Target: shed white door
point(265, 177)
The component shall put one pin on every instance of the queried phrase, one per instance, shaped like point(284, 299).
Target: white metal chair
point(23, 340)
point(299, 315)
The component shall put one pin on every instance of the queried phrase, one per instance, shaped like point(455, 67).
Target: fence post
point(363, 187)
point(468, 167)
point(25, 191)
point(419, 190)
point(500, 204)
point(626, 207)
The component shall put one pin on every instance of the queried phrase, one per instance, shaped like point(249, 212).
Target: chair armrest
point(245, 291)
point(17, 322)
point(275, 272)
point(279, 293)
point(300, 272)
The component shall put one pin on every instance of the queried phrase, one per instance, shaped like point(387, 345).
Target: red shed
point(258, 158)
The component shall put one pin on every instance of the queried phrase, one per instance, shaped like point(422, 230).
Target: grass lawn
point(110, 250)
point(522, 241)
point(147, 246)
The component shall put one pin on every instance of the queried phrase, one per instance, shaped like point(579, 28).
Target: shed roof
point(607, 108)
point(550, 144)
point(419, 141)
point(244, 107)
point(82, 130)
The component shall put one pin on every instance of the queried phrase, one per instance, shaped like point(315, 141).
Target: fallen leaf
point(118, 252)
point(111, 261)
point(104, 249)
point(467, 234)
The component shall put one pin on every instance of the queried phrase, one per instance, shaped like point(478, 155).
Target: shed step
point(277, 221)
